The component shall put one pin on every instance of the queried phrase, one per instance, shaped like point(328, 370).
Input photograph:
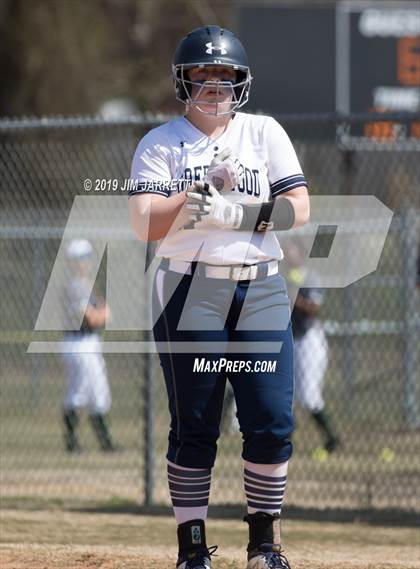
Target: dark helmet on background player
point(210, 46)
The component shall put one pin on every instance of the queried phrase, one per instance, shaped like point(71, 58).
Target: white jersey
point(76, 296)
point(170, 157)
point(87, 383)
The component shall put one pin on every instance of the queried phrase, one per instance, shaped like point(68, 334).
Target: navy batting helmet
point(211, 45)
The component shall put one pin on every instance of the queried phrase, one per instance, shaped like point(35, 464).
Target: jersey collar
point(203, 134)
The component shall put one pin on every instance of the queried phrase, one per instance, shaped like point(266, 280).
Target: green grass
point(34, 463)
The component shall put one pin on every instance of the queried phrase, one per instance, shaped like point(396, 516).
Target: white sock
point(264, 486)
point(189, 489)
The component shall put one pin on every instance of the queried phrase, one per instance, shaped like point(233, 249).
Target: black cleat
point(332, 444)
point(73, 448)
point(193, 550)
point(197, 559)
point(267, 556)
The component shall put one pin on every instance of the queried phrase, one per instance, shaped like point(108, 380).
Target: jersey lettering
point(250, 184)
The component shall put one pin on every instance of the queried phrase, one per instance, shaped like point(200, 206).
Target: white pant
point(311, 360)
point(87, 383)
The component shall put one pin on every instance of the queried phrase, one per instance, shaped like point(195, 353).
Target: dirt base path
point(72, 540)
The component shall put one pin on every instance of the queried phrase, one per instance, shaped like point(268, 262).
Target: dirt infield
point(71, 540)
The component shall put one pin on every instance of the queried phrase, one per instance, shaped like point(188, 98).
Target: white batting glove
point(206, 204)
point(225, 171)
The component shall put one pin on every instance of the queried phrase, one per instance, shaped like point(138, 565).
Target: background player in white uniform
point(311, 346)
point(209, 186)
point(87, 383)
point(310, 353)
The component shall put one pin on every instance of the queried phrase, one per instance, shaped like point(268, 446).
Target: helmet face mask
point(238, 90)
point(211, 46)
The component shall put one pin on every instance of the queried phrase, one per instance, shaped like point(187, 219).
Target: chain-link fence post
point(149, 412)
point(38, 276)
point(410, 223)
point(348, 359)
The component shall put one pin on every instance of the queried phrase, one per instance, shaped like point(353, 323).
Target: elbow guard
point(277, 214)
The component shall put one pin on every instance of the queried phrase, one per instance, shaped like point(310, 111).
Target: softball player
point(210, 186)
point(87, 383)
point(311, 355)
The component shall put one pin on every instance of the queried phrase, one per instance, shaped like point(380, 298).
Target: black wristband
point(277, 214)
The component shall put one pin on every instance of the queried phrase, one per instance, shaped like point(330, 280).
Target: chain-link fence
point(369, 373)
